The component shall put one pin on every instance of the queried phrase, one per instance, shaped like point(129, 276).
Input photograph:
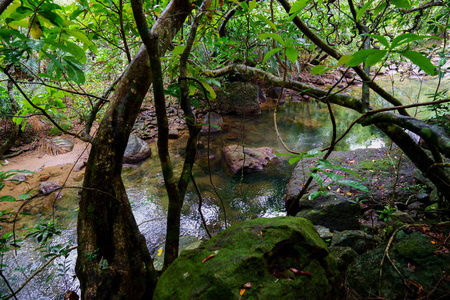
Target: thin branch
point(13, 294)
point(423, 7)
point(41, 268)
point(200, 201)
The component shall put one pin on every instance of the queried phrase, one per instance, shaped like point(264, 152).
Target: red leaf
point(206, 258)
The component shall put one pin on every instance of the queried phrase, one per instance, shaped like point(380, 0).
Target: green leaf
point(178, 50)
point(274, 36)
point(320, 70)
point(363, 9)
point(379, 38)
point(75, 14)
point(318, 178)
point(267, 21)
point(379, 8)
point(53, 59)
point(244, 6)
point(353, 184)
point(270, 53)
point(8, 198)
point(347, 171)
point(251, 5)
point(325, 163)
point(294, 160)
point(420, 60)
point(291, 54)
point(297, 6)
point(314, 152)
point(209, 88)
point(335, 177)
point(316, 194)
point(409, 37)
point(79, 35)
point(77, 51)
point(360, 56)
point(24, 196)
point(6, 34)
point(402, 3)
point(2, 185)
point(74, 72)
point(344, 59)
point(375, 58)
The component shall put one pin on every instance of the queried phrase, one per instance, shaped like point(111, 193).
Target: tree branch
point(340, 99)
point(423, 7)
point(433, 135)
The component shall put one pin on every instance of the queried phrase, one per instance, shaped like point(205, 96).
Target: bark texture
point(113, 259)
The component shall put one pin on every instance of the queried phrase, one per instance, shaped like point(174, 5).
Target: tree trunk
point(113, 260)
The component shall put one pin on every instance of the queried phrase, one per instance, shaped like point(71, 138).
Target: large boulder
point(241, 98)
point(279, 258)
point(137, 150)
point(330, 210)
point(249, 159)
point(423, 264)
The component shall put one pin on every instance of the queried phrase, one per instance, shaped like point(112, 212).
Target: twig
point(13, 294)
point(200, 201)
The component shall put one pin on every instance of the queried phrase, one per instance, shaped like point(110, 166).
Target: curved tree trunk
point(113, 260)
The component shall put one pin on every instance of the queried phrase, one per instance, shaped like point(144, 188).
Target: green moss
point(260, 252)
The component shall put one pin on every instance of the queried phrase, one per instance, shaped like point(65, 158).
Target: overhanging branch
point(310, 90)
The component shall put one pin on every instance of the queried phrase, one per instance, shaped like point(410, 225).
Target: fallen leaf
point(160, 251)
point(208, 257)
point(242, 291)
point(298, 272)
point(411, 267)
point(248, 285)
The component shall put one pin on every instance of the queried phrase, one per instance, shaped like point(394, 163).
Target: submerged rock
point(279, 258)
point(249, 159)
point(136, 151)
point(241, 98)
point(422, 264)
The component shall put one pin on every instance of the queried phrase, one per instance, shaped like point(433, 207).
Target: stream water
point(302, 126)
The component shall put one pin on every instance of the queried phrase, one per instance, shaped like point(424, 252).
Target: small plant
point(92, 255)
point(337, 174)
point(386, 214)
point(44, 232)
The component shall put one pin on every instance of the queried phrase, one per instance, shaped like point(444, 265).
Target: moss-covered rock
point(280, 258)
point(422, 267)
point(330, 210)
point(358, 240)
